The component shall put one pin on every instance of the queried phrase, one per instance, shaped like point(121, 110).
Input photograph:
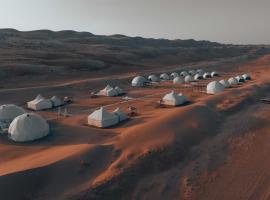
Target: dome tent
point(192, 72)
point(240, 79)
point(246, 76)
point(120, 114)
point(198, 77)
point(178, 80)
point(188, 79)
point(119, 90)
point(206, 75)
point(56, 101)
point(173, 99)
point(174, 75)
point(102, 118)
point(108, 91)
point(153, 78)
point(39, 103)
point(164, 77)
point(200, 71)
point(28, 127)
point(233, 81)
point(183, 73)
point(138, 81)
point(214, 87)
point(8, 112)
point(225, 83)
point(213, 74)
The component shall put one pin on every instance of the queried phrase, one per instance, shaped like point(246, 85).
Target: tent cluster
point(41, 103)
point(103, 119)
point(219, 86)
point(22, 126)
point(109, 91)
point(173, 99)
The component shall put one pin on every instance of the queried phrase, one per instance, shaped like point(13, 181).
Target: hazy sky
point(230, 21)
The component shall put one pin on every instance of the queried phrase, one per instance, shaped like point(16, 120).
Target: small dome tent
point(56, 101)
point(192, 72)
point(225, 83)
point(164, 77)
point(173, 99)
point(174, 75)
point(206, 75)
point(153, 78)
point(138, 81)
point(28, 127)
point(233, 81)
point(183, 73)
point(120, 114)
point(213, 74)
point(214, 87)
point(198, 77)
point(9, 112)
point(188, 79)
point(178, 80)
point(246, 76)
point(39, 103)
point(102, 118)
point(119, 90)
point(240, 79)
point(200, 71)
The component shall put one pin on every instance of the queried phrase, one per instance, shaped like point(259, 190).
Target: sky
point(226, 21)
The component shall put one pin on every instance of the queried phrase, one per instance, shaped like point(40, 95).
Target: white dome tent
point(188, 79)
point(56, 101)
point(233, 81)
point(39, 103)
point(213, 74)
point(9, 112)
point(240, 79)
point(174, 75)
point(102, 118)
point(153, 78)
point(198, 77)
point(173, 99)
point(214, 87)
point(164, 77)
point(192, 72)
point(183, 73)
point(119, 90)
point(200, 71)
point(28, 127)
point(178, 80)
point(120, 114)
point(138, 81)
point(206, 75)
point(246, 76)
point(225, 83)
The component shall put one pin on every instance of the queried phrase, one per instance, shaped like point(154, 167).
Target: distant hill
point(41, 51)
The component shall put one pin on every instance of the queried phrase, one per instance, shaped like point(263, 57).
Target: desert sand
point(216, 147)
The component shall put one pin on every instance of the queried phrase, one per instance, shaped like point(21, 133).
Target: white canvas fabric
point(108, 91)
point(102, 118)
point(164, 77)
point(213, 74)
point(8, 112)
point(138, 81)
point(119, 90)
point(39, 103)
point(200, 71)
point(246, 76)
point(240, 79)
point(174, 74)
point(183, 73)
point(206, 75)
point(28, 127)
point(120, 114)
point(198, 77)
point(188, 79)
point(214, 87)
point(178, 80)
point(225, 83)
point(56, 101)
point(233, 81)
point(173, 99)
point(153, 78)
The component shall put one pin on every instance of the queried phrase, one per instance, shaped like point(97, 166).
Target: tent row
point(183, 77)
point(22, 126)
point(42, 103)
point(219, 86)
point(110, 91)
point(102, 118)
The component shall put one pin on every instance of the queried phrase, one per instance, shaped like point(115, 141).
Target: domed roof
point(28, 127)
point(214, 87)
point(153, 78)
point(233, 81)
point(225, 83)
point(138, 81)
point(164, 76)
point(246, 76)
point(188, 79)
point(198, 76)
point(178, 80)
point(10, 111)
